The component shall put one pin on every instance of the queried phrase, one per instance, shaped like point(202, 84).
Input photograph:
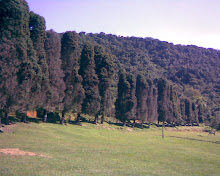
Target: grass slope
point(94, 150)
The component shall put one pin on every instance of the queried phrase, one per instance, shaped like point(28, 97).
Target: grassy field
point(108, 150)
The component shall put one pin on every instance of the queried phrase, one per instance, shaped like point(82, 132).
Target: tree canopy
point(141, 79)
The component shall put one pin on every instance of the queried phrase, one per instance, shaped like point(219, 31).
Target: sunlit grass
point(109, 150)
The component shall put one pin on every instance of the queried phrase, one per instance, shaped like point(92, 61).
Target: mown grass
point(108, 150)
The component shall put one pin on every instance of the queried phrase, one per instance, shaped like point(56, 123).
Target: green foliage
point(164, 103)
point(69, 51)
point(91, 103)
point(132, 101)
point(30, 80)
point(105, 72)
point(186, 66)
point(126, 102)
point(25, 73)
point(56, 75)
point(192, 94)
point(8, 78)
point(152, 103)
point(38, 36)
point(142, 89)
point(123, 95)
point(74, 93)
point(14, 21)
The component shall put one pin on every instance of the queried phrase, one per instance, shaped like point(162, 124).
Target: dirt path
point(18, 152)
point(8, 128)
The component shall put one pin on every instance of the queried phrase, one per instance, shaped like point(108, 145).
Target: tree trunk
point(63, 118)
point(24, 118)
point(163, 130)
point(52, 117)
point(142, 124)
point(133, 124)
point(102, 118)
point(96, 119)
point(124, 124)
point(6, 118)
point(45, 116)
point(78, 119)
point(158, 123)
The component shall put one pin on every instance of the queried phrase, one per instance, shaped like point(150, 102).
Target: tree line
point(194, 71)
point(50, 72)
point(141, 99)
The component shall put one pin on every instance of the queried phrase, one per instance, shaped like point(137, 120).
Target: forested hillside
point(127, 78)
point(194, 71)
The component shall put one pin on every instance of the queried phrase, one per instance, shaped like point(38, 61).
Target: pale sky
point(183, 22)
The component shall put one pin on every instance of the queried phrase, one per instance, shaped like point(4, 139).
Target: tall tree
point(19, 56)
point(152, 102)
point(132, 102)
point(175, 106)
point(126, 102)
point(195, 118)
point(8, 78)
point(38, 36)
point(164, 104)
point(142, 96)
point(188, 111)
point(201, 108)
point(123, 95)
point(104, 70)
point(10, 29)
point(74, 93)
point(56, 75)
point(182, 110)
point(91, 103)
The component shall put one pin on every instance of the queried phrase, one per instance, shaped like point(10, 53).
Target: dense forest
point(125, 78)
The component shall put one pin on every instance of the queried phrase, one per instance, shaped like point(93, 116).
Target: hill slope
point(194, 70)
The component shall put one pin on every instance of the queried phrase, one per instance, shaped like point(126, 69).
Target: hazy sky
point(178, 21)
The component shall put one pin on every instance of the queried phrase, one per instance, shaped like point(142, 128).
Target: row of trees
point(40, 69)
point(44, 70)
point(194, 70)
point(140, 99)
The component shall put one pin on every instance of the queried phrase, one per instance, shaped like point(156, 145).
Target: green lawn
point(95, 150)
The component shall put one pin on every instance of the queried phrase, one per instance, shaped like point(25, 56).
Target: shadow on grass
point(35, 120)
point(193, 139)
point(11, 120)
point(137, 125)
